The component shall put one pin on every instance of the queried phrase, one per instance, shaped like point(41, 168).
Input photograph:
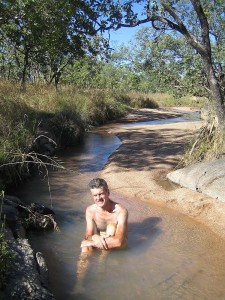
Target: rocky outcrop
point(28, 277)
point(25, 282)
point(206, 177)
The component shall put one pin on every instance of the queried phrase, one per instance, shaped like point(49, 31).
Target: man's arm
point(91, 239)
point(117, 241)
point(90, 225)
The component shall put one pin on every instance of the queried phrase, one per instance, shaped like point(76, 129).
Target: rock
point(44, 144)
point(25, 282)
point(205, 177)
point(42, 269)
point(28, 277)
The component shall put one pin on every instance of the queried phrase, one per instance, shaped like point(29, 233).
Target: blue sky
point(122, 35)
point(125, 35)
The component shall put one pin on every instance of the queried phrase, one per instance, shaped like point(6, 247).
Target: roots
point(37, 217)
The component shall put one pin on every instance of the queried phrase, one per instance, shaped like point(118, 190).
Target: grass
point(208, 145)
point(66, 114)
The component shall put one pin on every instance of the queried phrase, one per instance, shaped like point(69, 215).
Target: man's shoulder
point(120, 208)
point(90, 208)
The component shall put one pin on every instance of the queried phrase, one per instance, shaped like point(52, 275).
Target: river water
point(169, 255)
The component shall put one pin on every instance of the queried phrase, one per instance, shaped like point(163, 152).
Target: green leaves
point(47, 34)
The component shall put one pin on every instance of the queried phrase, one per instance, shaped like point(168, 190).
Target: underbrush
point(207, 145)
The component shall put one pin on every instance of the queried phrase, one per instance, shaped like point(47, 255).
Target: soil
point(147, 154)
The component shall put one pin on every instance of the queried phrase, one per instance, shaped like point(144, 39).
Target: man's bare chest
point(103, 219)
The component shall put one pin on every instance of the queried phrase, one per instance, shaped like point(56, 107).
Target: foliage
point(42, 37)
point(67, 127)
point(6, 256)
point(169, 64)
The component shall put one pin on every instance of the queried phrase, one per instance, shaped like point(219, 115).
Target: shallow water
point(169, 256)
point(188, 117)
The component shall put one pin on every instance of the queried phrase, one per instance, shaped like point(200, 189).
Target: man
point(106, 220)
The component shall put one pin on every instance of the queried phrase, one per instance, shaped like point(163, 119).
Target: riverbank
point(138, 169)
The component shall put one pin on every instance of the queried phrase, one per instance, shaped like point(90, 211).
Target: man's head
point(98, 183)
point(100, 192)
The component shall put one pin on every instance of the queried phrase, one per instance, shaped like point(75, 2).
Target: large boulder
point(25, 280)
point(205, 177)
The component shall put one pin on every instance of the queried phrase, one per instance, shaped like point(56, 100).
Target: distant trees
point(200, 22)
point(169, 63)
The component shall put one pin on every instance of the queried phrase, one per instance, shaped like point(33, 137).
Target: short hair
point(97, 183)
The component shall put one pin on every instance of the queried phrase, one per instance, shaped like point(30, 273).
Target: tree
point(196, 20)
point(49, 34)
point(168, 63)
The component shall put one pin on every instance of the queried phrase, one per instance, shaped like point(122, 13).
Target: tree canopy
point(48, 34)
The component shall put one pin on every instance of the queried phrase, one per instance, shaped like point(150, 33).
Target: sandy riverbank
point(138, 168)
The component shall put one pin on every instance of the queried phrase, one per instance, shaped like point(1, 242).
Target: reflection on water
point(168, 257)
point(188, 117)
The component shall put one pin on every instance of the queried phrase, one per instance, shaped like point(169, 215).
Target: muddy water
point(169, 256)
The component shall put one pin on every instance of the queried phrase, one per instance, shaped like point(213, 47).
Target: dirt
point(139, 166)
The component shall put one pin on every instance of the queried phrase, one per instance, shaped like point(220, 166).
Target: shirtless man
point(106, 220)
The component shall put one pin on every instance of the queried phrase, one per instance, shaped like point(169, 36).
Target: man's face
point(100, 196)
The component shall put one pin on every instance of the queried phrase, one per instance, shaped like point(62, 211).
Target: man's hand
point(99, 242)
point(86, 243)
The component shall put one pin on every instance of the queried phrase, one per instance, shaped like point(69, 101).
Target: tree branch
point(204, 24)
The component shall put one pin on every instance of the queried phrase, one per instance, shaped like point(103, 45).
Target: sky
point(122, 35)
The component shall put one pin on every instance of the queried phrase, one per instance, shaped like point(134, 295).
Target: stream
point(169, 255)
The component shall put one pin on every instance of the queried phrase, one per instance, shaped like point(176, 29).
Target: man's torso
point(104, 218)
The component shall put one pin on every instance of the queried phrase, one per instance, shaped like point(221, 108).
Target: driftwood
point(37, 217)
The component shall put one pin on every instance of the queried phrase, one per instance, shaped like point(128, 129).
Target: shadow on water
point(142, 234)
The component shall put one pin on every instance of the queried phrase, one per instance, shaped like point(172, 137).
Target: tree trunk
point(216, 95)
point(25, 65)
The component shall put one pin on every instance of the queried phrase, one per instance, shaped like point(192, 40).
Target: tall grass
point(67, 114)
point(207, 145)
